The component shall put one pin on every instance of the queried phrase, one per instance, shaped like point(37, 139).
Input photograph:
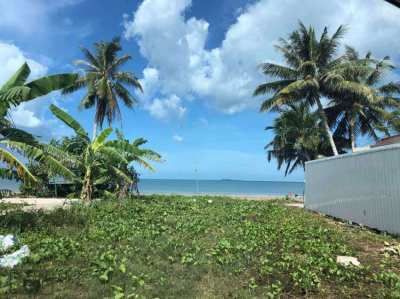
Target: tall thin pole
point(55, 186)
point(197, 181)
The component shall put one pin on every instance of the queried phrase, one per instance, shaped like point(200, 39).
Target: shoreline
point(232, 195)
point(50, 203)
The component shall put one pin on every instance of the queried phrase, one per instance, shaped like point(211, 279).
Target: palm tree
point(393, 123)
point(298, 138)
point(352, 115)
point(105, 82)
point(15, 91)
point(132, 153)
point(96, 156)
point(309, 74)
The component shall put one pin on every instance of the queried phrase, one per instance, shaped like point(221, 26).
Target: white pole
point(197, 181)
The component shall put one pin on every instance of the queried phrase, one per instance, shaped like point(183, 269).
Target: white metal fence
point(363, 187)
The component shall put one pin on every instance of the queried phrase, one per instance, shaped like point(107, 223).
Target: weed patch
point(178, 247)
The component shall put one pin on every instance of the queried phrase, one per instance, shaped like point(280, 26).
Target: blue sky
point(197, 62)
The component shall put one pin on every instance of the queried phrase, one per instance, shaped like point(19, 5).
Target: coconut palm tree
point(105, 82)
point(393, 123)
point(298, 137)
point(309, 74)
point(15, 91)
point(351, 115)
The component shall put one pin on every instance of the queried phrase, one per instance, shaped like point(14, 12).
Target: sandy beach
point(37, 203)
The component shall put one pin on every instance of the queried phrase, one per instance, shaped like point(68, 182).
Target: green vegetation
point(296, 137)
point(12, 93)
point(352, 115)
point(105, 82)
point(100, 167)
point(203, 247)
point(95, 167)
point(357, 101)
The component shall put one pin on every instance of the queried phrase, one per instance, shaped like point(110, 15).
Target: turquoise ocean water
point(236, 187)
point(220, 187)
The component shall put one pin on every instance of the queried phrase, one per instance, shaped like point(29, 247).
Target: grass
point(182, 247)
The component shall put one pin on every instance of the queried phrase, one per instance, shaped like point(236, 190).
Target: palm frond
point(45, 85)
point(128, 78)
point(101, 138)
point(279, 71)
point(69, 121)
point(125, 95)
point(271, 87)
point(18, 79)
point(90, 57)
point(119, 61)
point(14, 163)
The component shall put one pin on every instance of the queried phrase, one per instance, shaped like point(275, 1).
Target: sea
point(220, 187)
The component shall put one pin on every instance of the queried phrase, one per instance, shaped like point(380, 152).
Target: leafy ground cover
point(203, 247)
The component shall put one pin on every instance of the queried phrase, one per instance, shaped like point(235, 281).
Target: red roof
point(388, 140)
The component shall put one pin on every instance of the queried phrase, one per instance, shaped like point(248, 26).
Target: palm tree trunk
point(87, 188)
point(94, 133)
point(352, 135)
point(326, 126)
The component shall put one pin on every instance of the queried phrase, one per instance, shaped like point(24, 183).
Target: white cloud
point(24, 117)
point(12, 57)
point(177, 138)
point(163, 108)
point(35, 117)
point(166, 108)
point(226, 76)
point(29, 115)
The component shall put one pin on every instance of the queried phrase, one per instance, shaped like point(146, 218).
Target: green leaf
point(69, 121)
point(18, 78)
point(13, 162)
point(45, 85)
point(100, 139)
point(122, 268)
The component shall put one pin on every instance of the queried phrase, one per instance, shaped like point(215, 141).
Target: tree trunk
point(352, 135)
point(94, 133)
point(326, 126)
point(87, 188)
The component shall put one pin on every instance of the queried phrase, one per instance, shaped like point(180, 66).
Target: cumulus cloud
point(167, 108)
point(35, 117)
point(177, 138)
point(24, 117)
point(175, 46)
point(12, 57)
point(29, 115)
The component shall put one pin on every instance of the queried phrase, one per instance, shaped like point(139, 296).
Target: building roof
point(388, 140)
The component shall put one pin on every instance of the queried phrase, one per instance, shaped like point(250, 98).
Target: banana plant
point(132, 153)
point(15, 91)
point(95, 157)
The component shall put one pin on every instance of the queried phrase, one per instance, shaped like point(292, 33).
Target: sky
point(197, 62)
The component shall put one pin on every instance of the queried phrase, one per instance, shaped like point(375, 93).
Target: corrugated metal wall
point(363, 187)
